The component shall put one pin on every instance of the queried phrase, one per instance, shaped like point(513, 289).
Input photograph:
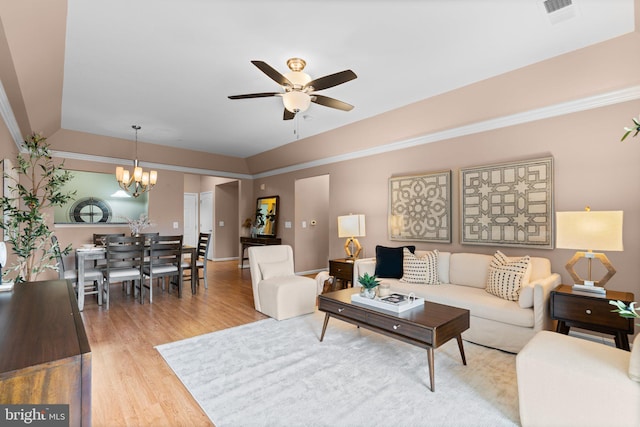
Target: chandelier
point(140, 182)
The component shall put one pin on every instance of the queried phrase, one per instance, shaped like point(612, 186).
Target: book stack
point(395, 302)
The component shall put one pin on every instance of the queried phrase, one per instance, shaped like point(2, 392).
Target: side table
point(591, 312)
point(341, 269)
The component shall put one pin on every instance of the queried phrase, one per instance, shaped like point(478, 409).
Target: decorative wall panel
point(420, 207)
point(509, 204)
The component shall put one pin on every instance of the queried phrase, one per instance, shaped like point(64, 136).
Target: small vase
point(368, 293)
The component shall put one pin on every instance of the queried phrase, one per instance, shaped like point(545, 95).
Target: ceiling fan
point(299, 89)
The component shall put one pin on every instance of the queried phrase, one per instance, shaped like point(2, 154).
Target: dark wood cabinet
point(256, 241)
point(44, 351)
point(591, 312)
point(342, 269)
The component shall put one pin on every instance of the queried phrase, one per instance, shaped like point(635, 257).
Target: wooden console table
point(45, 356)
point(256, 241)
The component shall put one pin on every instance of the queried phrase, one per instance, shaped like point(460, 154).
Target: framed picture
point(420, 207)
point(508, 204)
point(99, 200)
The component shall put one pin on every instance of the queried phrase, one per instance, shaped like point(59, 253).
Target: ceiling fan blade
point(330, 102)
point(288, 115)
point(272, 73)
point(331, 80)
point(255, 95)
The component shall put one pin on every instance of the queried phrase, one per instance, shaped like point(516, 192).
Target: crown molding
point(162, 166)
point(583, 104)
point(9, 118)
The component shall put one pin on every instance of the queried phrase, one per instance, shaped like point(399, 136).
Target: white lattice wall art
point(509, 204)
point(420, 207)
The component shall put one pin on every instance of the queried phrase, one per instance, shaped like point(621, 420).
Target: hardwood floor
point(131, 383)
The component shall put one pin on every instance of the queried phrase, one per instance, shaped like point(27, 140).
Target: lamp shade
point(351, 226)
point(589, 230)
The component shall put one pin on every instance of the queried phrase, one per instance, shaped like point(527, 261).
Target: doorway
point(206, 217)
point(190, 218)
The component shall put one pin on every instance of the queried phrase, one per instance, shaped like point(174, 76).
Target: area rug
point(271, 373)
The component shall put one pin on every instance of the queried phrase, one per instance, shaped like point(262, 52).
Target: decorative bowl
point(88, 245)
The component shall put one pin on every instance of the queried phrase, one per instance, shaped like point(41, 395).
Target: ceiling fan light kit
point(299, 89)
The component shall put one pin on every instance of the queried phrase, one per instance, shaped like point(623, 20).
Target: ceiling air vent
point(553, 5)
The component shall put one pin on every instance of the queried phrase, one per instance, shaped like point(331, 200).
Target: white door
point(206, 218)
point(190, 219)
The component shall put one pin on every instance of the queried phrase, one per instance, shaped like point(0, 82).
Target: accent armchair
point(277, 291)
point(568, 381)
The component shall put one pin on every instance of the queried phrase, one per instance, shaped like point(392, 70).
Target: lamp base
point(590, 256)
point(349, 246)
point(589, 288)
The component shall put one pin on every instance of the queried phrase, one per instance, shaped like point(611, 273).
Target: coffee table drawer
point(341, 310)
point(397, 326)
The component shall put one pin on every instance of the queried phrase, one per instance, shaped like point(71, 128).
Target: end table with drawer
point(592, 312)
point(341, 269)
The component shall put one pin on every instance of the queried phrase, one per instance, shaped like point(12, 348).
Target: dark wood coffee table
point(427, 327)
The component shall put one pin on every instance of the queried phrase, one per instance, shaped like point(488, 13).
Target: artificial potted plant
point(34, 187)
point(369, 284)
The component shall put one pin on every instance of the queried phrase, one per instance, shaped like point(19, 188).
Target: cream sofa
point(565, 381)
point(494, 322)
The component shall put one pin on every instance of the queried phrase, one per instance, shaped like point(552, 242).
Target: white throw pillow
point(274, 269)
point(525, 300)
point(507, 275)
point(420, 269)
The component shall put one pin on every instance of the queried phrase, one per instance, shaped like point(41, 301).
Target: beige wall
point(592, 167)
point(226, 236)
point(312, 204)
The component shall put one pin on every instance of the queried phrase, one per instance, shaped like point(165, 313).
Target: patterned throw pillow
point(422, 269)
point(507, 275)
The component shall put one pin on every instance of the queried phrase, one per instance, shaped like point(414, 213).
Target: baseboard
point(224, 259)
point(593, 336)
point(308, 272)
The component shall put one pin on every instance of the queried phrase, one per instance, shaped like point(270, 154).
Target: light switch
point(175, 225)
point(221, 223)
point(287, 224)
point(304, 224)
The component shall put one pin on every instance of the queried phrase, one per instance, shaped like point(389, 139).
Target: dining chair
point(124, 262)
point(165, 261)
point(101, 240)
point(204, 240)
point(92, 277)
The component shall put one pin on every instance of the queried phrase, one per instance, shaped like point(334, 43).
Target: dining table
point(84, 254)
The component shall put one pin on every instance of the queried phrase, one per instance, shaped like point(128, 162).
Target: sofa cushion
point(507, 276)
point(275, 269)
point(468, 269)
point(479, 302)
point(420, 269)
point(389, 261)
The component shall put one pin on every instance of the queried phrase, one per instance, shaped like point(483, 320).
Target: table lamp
point(588, 231)
point(351, 226)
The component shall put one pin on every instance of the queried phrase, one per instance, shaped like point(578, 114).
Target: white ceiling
point(169, 65)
